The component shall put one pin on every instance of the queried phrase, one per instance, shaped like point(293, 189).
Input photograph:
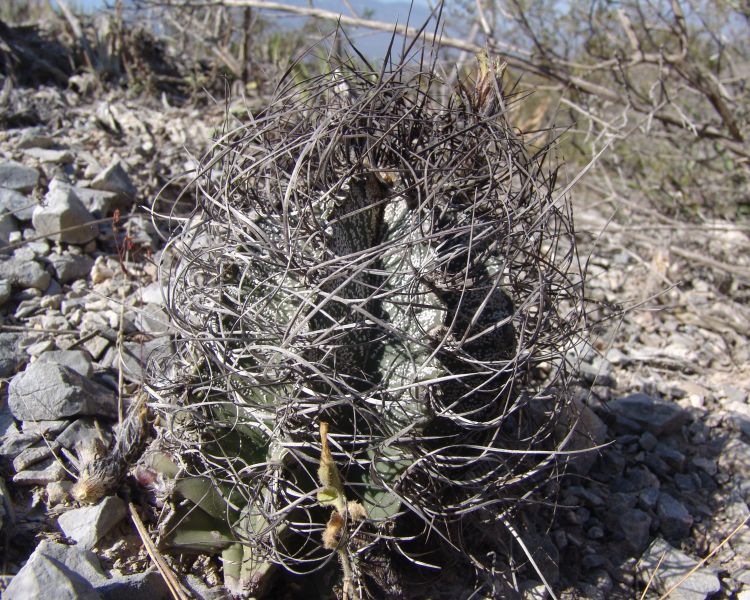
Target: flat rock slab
point(42, 473)
point(674, 566)
point(89, 524)
point(149, 585)
point(50, 391)
point(15, 176)
point(57, 571)
point(48, 578)
point(78, 360)
point(657, 416)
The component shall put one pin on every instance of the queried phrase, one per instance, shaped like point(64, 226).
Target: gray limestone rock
point(69, 267)
point(82, 432)
point(15, 176)
point(8, 226)
point(635, 525)
point(55, 570)
point(24, 273)
point(50, 391)
point(46, 577)
point(668, 565)
point(675, 520)
point(17, 204)
point(89, 524)
point(78, 360)
point(76, 558)
point(99, 202)
point(5, 291)
point(34, 138)
point(657, 416)
point(61, 211)
point(42, 473)
point(153, 319)
point(12, 356)
point(51, 155)
point(115, 179)
point(31, 456)
point(149, 585)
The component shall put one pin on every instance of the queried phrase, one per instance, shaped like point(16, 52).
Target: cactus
point(381, 253)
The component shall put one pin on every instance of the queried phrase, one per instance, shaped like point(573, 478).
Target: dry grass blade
point(166, 571)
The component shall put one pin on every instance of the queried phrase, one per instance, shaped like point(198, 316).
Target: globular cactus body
point(372, 254)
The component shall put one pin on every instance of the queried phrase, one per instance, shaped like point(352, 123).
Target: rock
point(15, 176)
point(43, 473)
point(15, 203)
point(100, 272)
point(674, 458)
point(154, 320)
point(735, 457)
point(44, 576)
point(73, 574)
point(89, 524)
point(69, 267)
point(8, 226)
point(149, 585)
point(40, 347)
point(45, 428)
point(24, 273)
point(675, 520)
point(656, 416)
point(12, 357)
point(647, 441)
point(706, 464)
point(50, 391)
point(50, 155)
point(77, 360)
point(82, 432)
point(739, 415)
point(151, 294)
point(76, 558)
point(63, 210)
point(96, 346)
point(99, 202)
point(31, 456)
point(5, 291)
point(34, 138)
point(648, 498)
point(135, 356)
point(635, 525)
point(597, 372)
point(115, 179)
point(589, 432)
point(668, 566)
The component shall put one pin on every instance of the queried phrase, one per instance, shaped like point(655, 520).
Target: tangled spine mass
point(383, 254)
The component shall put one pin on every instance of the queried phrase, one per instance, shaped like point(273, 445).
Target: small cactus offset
point(374, 299)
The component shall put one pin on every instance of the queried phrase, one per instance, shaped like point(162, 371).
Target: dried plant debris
point(382, 253)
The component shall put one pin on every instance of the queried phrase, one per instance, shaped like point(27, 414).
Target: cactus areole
point(380, 252)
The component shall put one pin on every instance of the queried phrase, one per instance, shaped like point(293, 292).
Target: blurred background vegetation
point(655, 90)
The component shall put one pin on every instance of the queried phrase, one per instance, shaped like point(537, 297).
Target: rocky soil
point(663, 386)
